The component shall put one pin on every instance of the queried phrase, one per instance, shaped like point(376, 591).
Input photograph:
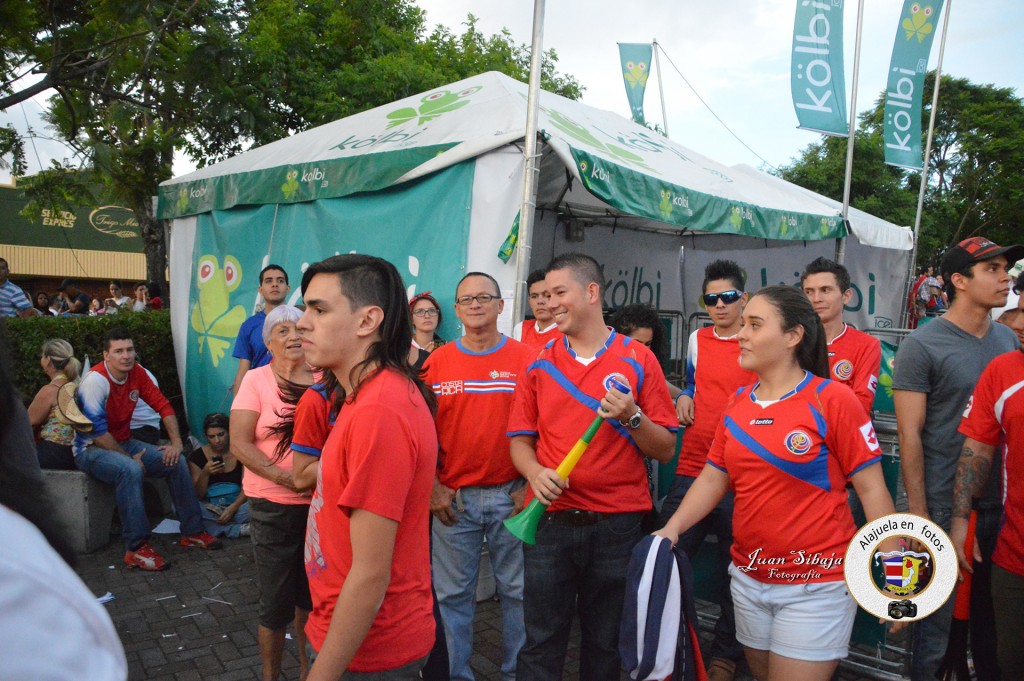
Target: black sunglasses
point(728, 297)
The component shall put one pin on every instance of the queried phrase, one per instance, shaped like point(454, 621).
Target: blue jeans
point(455, 563)
point(233, 529)
point(718, 523)
point(932, 633)
point(581, 568)
point(126, 476)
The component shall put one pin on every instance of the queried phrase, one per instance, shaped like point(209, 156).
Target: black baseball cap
point(976, 249)
point(67, 282)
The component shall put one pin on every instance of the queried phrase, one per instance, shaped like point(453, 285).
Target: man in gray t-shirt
point(935, 372)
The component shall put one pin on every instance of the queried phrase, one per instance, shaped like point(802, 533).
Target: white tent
point(433, 183)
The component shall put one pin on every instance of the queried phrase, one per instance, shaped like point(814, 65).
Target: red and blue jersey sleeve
point(313, 421)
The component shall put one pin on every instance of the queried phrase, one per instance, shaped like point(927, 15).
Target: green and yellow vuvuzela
point(524, 525)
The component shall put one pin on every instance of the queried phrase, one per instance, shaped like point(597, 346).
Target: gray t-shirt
point(944, 361)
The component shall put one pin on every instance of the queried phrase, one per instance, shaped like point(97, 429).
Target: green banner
point(902, 123)
point(635, 59)
point(883, 396)
point(294, 183)
point(91, 228)
point(817, 79)
point(647, 196)
point(422, 227)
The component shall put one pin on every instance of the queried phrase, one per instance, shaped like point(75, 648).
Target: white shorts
point(810, 622)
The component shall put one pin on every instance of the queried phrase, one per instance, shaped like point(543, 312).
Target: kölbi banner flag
point(902, 125)
point(636, 67)
point(817, 81)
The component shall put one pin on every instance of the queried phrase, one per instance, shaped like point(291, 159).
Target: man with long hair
point(367, 545)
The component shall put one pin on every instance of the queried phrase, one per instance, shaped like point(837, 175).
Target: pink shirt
point(259, 393)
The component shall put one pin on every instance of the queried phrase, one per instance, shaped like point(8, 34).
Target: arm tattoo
point(971, 474)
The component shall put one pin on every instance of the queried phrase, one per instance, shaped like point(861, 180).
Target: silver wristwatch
point(634, 421)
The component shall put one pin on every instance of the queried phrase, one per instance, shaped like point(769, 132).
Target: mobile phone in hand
point(218, 459)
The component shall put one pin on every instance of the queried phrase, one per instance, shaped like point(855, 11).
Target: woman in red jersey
point(786, 446)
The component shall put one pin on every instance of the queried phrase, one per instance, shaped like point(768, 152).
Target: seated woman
point(217, 476)
point(55, 436)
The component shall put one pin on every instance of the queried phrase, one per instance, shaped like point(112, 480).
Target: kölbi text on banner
point(817, 80)
point(902, 125)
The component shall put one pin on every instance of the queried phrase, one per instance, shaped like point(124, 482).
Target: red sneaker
point(203, 540)
point(145, 558)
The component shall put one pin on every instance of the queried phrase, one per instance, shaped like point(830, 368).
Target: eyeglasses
point(728, 297)
point(425, 312)
point(483, 299)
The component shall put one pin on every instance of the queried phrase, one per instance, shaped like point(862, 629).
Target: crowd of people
point(70, 299)
point(370, 462)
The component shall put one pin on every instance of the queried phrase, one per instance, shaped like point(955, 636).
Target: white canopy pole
point(661, 91)
point(927, 156)
point(528, 207)
point(841, 243)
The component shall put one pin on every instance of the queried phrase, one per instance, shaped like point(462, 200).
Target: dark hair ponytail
point(796, 310)
point(368, 280)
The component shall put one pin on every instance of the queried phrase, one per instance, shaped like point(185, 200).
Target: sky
point(736, 55)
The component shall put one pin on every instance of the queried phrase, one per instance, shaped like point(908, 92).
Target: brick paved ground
point(197, 620)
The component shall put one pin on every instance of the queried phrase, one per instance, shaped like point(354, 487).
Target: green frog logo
point(736, 217)
point(182, 200)
point(784, 226)
point(213, 318)
point(918, 24)
point(432, 106)
point(665, 207)
point(291, 185)
point(636, 74)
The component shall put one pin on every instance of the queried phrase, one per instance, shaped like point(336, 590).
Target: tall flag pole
point(816, 79)
point(528, 206)
point(635, 60)
point(841, 242)
point(661, 91)
point(928, 144)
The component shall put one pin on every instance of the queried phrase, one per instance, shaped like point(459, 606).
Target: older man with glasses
point(477, 487)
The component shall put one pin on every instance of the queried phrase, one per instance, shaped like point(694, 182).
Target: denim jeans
point(456, 564)
point(581, 568)
point(233, 529)
point(932, 633)
point(718, 523)
point(126, 476)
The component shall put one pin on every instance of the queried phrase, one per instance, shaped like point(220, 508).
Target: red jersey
point(380, 457)
point(109, 404)
point(557, 398)
point(314, 418)
point(994, 415)
point(711, 383)
point(855, 359)
point(536, 338)
point(474, 397)
point(788, 462)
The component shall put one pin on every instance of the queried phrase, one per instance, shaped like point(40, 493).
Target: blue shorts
point(810, 622)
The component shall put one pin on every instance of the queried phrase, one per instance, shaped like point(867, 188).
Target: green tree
point(975, 173)
point(136, 82)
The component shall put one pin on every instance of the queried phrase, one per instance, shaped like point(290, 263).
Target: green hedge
point(151, 332)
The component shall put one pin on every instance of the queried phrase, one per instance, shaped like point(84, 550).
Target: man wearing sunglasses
point(476, 487)
point(854, 357)
point(713, 375)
